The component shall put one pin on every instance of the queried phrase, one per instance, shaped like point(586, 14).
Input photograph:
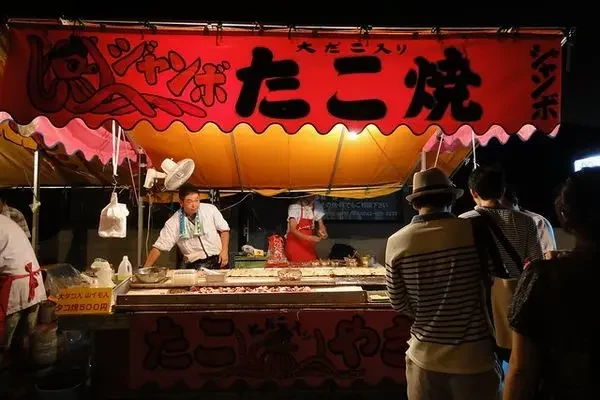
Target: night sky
point(536, 167)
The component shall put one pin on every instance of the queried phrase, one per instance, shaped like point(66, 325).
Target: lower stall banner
point(308, 348)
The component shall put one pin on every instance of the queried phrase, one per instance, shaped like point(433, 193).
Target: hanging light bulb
point(352, 135)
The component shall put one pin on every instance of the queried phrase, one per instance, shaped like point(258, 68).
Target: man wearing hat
point(433, 270)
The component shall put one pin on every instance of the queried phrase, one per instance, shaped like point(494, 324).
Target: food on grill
point(307, 272)
point(241, 289)
point(289, 274)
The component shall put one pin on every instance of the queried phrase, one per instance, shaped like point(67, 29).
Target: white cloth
point(295, 210)
point(212, 223)
point(15, 253)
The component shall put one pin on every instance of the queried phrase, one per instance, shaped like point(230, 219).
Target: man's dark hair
point(186, 190)
point(438, 200)
point(489, 182)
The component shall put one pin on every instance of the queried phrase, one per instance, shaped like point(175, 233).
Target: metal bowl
point(151, 274)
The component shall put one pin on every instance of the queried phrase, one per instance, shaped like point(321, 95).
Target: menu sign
point(84, 300)
point(383, 208)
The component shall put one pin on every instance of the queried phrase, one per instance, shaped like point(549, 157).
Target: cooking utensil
point(151, 274)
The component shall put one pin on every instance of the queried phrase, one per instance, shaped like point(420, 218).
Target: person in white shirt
point(301, 240)
point(198, 229)
point(544, 227)
point(21, 284)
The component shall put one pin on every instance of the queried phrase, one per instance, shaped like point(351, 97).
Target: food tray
point(328, 272)
point(325, 295)
point(237, 281)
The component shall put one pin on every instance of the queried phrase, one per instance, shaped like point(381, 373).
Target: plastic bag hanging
point(474, 144)
point(113, 219)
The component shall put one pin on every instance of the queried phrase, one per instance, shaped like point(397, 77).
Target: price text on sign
point(84, 301)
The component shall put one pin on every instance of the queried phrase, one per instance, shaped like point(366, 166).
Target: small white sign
point(589, 162)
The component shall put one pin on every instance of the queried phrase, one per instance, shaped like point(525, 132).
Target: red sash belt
point(6, 282)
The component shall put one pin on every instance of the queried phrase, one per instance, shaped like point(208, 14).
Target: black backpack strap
point(487, 249)
point(497, 231)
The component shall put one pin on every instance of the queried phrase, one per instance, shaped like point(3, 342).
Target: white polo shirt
point(212, 223)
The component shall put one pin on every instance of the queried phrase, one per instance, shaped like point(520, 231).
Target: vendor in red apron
point(301, 240)
point(21, 285)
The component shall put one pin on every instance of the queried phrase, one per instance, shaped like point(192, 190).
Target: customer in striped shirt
point(488, 185)
point(435, 277)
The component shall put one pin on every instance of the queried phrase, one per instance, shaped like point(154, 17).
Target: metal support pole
point(35, 229)
point(140, 228)
point(214, 197)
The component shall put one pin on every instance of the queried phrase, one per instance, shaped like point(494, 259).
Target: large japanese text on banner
point(256, 347)
point(275, 79)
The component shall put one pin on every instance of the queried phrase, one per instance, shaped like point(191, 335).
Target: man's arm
point(527, 324)
point(322, 230)
point(152, 257)
point(223, 228)
point(165, 242)
point(224, 256)
point(395, 284)
point(522, 377)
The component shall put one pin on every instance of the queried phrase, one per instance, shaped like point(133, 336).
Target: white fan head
point(175, 175)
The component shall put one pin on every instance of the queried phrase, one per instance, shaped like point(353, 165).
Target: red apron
point(5, 286)
point(299, 250)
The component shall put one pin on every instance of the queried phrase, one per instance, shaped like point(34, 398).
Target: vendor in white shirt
point(198, 229)
point(21, 285)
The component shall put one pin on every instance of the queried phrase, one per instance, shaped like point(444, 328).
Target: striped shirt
point(18, 217)
point(434, 276)
point(521, 231)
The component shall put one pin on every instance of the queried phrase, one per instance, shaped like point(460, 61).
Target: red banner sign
point(275, 79)
point(257, 347)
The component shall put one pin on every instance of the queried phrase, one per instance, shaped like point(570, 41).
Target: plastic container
point(184, 277)
point(217, 277)
point(99, 263)
point(125, 269)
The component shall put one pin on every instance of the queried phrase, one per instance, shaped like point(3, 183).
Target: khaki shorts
point(20, 324)
point(428, 385)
